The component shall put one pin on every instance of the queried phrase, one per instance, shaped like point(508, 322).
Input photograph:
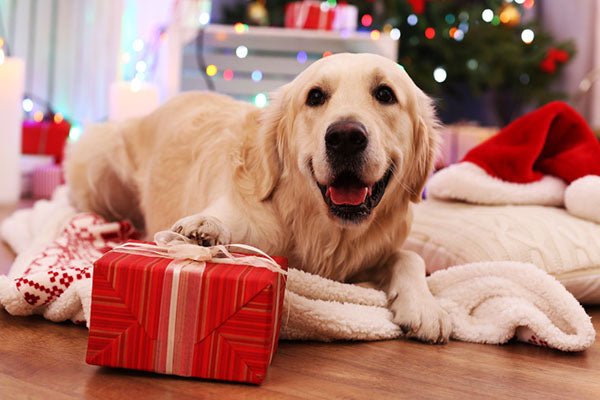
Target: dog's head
point(356, 129)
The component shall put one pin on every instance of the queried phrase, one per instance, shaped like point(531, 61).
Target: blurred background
point(67, 63)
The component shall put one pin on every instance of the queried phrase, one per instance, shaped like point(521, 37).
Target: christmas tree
point(464, 52)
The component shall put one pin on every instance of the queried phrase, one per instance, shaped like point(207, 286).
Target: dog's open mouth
point(350, 199)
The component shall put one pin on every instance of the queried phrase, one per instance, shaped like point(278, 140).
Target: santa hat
point(547, 157)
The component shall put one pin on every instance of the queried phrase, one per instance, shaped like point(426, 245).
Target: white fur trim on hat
point(582, 198)
point(468, 182)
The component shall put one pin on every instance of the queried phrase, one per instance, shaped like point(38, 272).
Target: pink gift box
point(45, 179)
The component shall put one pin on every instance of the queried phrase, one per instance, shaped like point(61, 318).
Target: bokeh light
point(228, 74)
point(487, 15)
point(260, 100)
point(301, 57)
point(430, 33)
point(211, 70)
point(527, 36)
point(366, 20)
point(256, 76)
point(439, 74)
point(241, 51)
point(27, 105)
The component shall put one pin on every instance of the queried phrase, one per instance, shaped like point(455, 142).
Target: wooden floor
point(43, 360)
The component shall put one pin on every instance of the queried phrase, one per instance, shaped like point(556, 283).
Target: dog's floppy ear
point(262, 158)
point(425, 146)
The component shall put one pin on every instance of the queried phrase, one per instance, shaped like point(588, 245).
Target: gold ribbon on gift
point(171, 244)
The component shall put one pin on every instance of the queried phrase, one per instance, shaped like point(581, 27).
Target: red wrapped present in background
point(45, 137)
point(309, 15)
point(183, 317)
point(458, 139)
point(45, 179)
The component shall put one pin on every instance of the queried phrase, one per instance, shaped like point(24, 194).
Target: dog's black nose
point(346, 138)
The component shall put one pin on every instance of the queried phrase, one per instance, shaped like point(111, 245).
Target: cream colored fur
point(222, 170)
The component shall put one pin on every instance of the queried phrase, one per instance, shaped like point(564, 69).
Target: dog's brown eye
point(315, 98)
point(384, 95)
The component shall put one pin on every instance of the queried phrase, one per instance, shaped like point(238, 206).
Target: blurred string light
point(256, 76)
point(519, 1)
point(211, 70)
point(228, 75)
point(58, 118)
point(395, 34)
point(439, 74)
point(325, 6)
point(487, 15)
point(464, 26)
point(125, 58)
point(260, 100)
point(430, 33)
point(375, 34)
point(527, 36)
point(412, 19)
point(138, 45)
point(204, 18)
point(75, 133)
point(301, 57)
point(528, 4)
point(241, 51)
point(366, 20)
point(450, 19)
point(458, 35)
point(38, 116)
point(240, 28)
point(141, 67)
point(472, 64)
point(327, 53)
point(27, 105)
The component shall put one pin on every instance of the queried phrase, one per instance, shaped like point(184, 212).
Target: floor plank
point(43, 360)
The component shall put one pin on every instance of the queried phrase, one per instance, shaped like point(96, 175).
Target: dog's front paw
point(206, 230)
point(421, 319)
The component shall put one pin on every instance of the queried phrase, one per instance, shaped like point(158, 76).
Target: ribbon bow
point(170, 244)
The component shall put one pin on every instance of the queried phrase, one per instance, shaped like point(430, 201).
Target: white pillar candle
point(131, 99)
point(12, 82)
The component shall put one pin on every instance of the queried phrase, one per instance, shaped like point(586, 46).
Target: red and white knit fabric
point(63, 270)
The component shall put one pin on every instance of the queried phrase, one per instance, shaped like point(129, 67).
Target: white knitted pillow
point(449, 233)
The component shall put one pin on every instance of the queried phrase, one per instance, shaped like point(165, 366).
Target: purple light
point(301, 57)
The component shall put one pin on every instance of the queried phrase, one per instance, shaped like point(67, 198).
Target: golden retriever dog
point(324, 175)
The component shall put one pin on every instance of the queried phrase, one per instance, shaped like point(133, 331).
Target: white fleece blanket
point(488, 302)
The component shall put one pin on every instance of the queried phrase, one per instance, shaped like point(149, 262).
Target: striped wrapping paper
point(185, 318)
point(45, 179)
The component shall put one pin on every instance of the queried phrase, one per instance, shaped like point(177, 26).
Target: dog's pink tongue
point(353, 196)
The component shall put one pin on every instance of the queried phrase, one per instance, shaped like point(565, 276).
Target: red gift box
point(46, 137)
point(308, 15)
point(182, 317)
